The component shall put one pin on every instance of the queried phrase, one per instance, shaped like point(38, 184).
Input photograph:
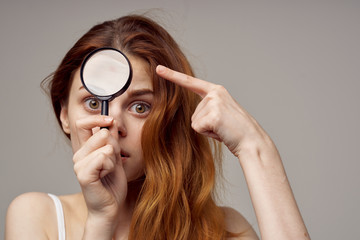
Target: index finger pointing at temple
point(196, 85)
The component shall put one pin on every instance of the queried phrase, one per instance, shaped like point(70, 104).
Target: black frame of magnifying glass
point(118, 93)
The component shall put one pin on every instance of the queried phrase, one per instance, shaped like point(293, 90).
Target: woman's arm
point(274, 203)
point(219, 116)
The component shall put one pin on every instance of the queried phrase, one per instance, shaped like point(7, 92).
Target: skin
point(104, 208)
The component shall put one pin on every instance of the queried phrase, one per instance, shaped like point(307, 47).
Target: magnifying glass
point(106, 73)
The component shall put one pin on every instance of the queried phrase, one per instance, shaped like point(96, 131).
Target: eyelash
point(132, 107)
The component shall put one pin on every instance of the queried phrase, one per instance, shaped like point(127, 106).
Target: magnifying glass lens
point(106, 73)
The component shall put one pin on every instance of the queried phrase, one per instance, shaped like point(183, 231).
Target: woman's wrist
point(256, 148)
point(98, 228)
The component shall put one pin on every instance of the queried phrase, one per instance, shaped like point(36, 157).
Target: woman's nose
point(119, 119)
point(120, 127)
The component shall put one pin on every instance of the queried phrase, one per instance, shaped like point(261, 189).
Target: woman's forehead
point(140, 79)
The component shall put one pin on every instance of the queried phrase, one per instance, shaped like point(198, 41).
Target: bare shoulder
point(236, 223)
point(30, 216)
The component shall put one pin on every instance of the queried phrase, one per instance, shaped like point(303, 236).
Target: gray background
point(294, 65)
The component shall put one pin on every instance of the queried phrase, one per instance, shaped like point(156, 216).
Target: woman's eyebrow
point(132, 93)
point(139, 92)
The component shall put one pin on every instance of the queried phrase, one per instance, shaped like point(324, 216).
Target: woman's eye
point(92, 103)
point(140, 108)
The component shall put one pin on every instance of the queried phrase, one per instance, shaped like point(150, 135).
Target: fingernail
point(108, 119)
point(160, 69)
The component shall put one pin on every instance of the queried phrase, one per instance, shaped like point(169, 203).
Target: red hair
point(176, 199)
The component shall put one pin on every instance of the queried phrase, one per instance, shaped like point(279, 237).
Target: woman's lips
point(124, 155)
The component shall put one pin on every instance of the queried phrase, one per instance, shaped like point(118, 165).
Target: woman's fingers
point(95, 166)
point(218, 115)
point(99, 139)
point(196, 85)
point(202, 118)
point(85, 126)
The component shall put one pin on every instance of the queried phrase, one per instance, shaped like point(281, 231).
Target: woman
point(151, 173)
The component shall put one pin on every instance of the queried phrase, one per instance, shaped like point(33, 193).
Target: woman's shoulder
point(237, 223)
point(39, 203)
point(32, 204)
point(34, 214)
point(30, 214)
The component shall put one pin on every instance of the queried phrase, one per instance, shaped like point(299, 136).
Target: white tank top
point(60, 216)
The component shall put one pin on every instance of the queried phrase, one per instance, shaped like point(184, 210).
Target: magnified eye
point(92, 103)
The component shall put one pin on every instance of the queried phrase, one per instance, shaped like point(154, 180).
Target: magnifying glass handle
point(104, 109)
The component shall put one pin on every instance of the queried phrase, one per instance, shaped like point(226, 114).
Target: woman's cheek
point(75, 143)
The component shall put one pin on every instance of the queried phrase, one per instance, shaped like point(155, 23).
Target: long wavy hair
point(176, 200)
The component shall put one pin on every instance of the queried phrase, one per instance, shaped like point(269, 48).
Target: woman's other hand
point(219, 116)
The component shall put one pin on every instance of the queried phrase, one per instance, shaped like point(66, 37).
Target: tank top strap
point(59, 215)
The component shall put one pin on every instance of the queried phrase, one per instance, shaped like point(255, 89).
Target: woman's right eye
point(92, 104)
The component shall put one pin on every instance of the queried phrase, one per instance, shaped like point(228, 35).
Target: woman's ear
point(64, 119)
